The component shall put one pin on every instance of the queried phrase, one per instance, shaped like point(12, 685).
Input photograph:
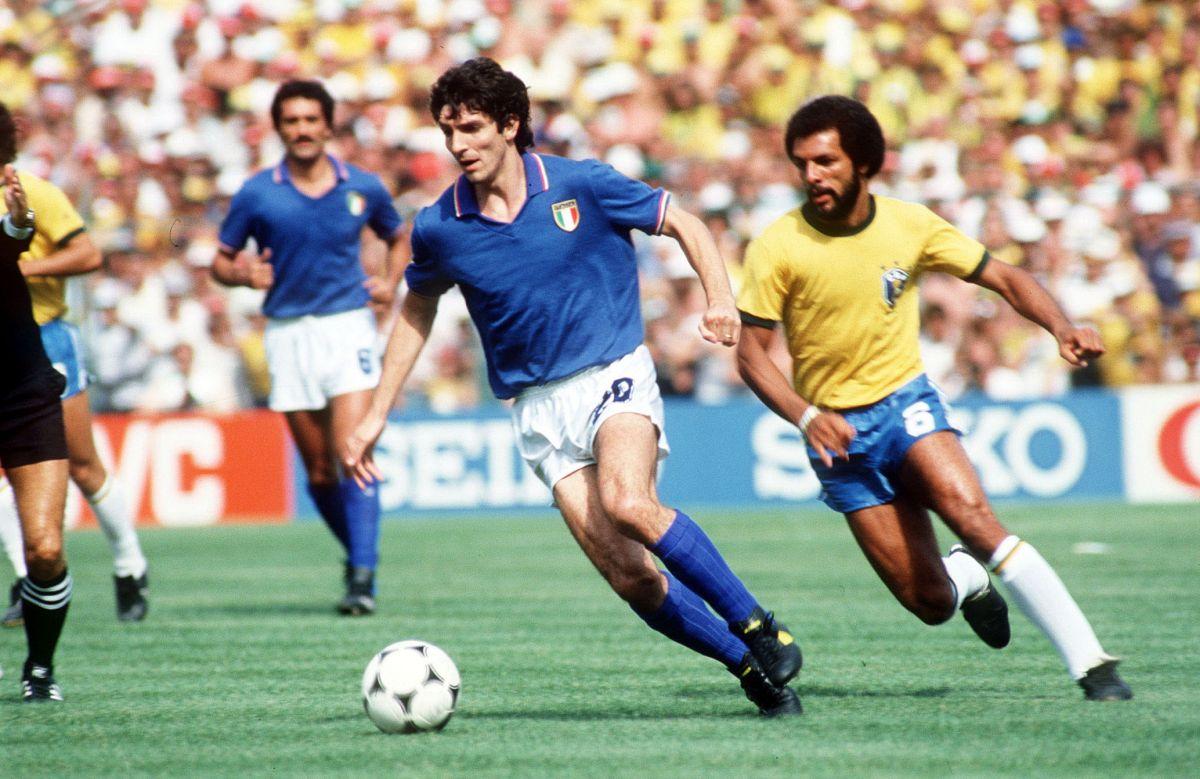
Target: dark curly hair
point(8, 136)
point(482, 85)
point(313, 90)
point(858, 129)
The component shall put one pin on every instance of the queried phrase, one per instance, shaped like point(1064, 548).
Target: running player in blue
point(841, 274)
point(306, 216)
point(540, 247)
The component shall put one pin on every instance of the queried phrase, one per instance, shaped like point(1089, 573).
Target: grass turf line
point(243, 668)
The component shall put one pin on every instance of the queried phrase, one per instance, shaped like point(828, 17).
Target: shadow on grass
point(311, 608)
point(817, 691)
point(593, 714)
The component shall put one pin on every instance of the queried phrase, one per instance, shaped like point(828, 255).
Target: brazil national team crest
point(566, 215)
point(894, 280)
point(355, 203)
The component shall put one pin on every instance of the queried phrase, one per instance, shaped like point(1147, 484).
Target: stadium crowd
point(1063, 135)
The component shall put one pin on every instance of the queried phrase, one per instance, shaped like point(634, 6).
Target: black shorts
point(31, 421)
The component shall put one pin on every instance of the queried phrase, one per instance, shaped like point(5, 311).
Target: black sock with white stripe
point(45, 609)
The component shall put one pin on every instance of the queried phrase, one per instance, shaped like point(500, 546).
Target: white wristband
point(807, 417)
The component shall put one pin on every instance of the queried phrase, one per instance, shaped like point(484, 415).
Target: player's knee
point(932, 605)
point(632, 514)
point(322, 475)
point(43, 557)
point(87, 473)
point(640, 587)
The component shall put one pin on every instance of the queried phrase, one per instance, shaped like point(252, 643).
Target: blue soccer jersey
point(554, 291)
point(314, 242)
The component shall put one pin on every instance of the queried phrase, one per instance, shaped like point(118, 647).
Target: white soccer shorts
point(315, 358)
point(556, 423)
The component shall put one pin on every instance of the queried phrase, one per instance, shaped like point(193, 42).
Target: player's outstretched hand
point(14, 197)
point(1080, 344)
point(830, 434)
point(357, 455)
point(721, 324)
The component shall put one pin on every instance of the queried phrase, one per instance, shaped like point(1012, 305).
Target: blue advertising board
point(740, 454)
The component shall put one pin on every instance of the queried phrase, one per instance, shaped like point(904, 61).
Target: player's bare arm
point(828, 432)
point(79, 256)
point(1077, 345)
point(721, 323)
point(404, 346)
point(244, 269)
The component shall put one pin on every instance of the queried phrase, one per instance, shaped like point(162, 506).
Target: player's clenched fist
point(259, 272)
point(1080, 344)
point(721, 324)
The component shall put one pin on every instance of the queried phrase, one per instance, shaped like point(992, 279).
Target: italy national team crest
point(894, 280)
point(566, 215)
point(355, 203)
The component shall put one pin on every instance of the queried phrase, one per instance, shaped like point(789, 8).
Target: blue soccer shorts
point(886, 431)
point(61, 341)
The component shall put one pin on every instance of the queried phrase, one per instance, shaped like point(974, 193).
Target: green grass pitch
point(243, 668)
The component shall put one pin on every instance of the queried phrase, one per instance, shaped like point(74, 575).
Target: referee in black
point(33, 451)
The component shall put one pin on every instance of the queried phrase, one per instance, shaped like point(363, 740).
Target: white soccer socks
point(967, 575)
point(1044, 599)
point(10, 529)
point(116, 520)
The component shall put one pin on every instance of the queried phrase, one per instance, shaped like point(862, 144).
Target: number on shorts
point(364, 360)
point(918, 419)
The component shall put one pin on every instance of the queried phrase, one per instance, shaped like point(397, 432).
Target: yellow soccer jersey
point(56, 223)
point(848, 301)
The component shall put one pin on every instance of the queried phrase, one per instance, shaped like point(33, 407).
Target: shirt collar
point(536, 182)
point(281, 173)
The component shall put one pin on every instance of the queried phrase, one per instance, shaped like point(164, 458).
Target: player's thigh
point(310, 432)
point(345, 412)
point(627, 450)
point(937, 471)
point(898, 540)
point(40, 490)
point(623, 562)
point(86, 469)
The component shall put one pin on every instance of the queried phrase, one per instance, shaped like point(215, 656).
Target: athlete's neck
point(502, 196)
point(861, 212)
point(311, 176)
point(847, 225)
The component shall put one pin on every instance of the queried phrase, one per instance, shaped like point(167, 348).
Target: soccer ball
point(410, 686)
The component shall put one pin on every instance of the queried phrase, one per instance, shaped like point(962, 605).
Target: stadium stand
point(1064, 136)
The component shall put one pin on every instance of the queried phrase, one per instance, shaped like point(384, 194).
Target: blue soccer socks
point(689, 554)
point(361, 507)
point(684, 618)
point(328, 499)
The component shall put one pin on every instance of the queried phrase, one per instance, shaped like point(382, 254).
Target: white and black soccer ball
point(410, 686)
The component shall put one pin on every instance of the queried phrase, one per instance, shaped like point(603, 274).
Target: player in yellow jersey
point(841, 273)
point(62, 248)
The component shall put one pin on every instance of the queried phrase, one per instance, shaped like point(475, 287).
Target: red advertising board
point(187, 470)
